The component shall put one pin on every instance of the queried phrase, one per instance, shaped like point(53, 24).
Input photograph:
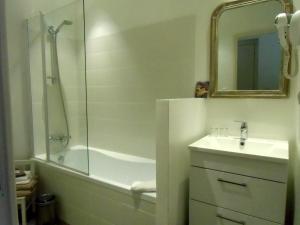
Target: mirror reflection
point(258, 62)
point(249, 55)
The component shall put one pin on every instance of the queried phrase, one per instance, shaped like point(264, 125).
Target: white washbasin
point(268, 149)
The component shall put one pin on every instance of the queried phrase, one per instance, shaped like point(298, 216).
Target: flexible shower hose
point(58, 80)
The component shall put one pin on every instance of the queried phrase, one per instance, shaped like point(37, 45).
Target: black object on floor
point(46, 209)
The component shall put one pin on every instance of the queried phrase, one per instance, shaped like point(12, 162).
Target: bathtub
point(111, 167)
point(110, 174)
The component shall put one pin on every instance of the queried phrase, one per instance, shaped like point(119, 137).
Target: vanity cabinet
point(201, 213)
point(232, 189)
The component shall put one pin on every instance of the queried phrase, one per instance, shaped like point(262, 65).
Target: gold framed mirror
point(245, 53)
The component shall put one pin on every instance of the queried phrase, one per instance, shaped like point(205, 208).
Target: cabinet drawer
point(204, 214)
point(252, 196)
point(249, 167)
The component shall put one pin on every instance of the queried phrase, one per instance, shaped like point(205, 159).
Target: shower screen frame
point(45, 105)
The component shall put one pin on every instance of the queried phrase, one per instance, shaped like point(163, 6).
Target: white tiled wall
point(15, 13)
point(35, 64)
point(132, 60)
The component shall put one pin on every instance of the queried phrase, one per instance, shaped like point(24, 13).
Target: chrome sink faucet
point(244, 132)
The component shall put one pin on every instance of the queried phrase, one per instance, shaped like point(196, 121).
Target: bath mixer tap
point(58, 138)
point(244, 132)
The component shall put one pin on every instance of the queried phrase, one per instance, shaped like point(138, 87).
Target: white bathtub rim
point(112, 154)
point(149, 197)
point(116, 155)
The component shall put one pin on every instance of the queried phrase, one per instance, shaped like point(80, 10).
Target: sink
point(267, 149)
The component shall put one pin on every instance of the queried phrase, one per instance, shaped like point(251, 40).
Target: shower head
point(65, 22)
point(55, 31)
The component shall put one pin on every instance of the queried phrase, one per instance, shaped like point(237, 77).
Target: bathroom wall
point(70, 41)
point(16, 11)
point(133, 58)
point(266, 117)
point(36, 84)
point(16, 14)
point(45, 6)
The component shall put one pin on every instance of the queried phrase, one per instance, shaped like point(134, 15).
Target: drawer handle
point(231, 220)
point(231, 182)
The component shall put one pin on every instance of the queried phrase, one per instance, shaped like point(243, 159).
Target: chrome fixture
point(59, 138)
point(52, 30)
point(53, 33)
point(61, 159)
point(55, 79)
point(244, 132)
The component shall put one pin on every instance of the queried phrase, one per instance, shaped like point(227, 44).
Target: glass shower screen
point(58, 86)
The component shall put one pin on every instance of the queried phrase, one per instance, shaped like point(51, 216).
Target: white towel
point(143, 186)
point(24, 179)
